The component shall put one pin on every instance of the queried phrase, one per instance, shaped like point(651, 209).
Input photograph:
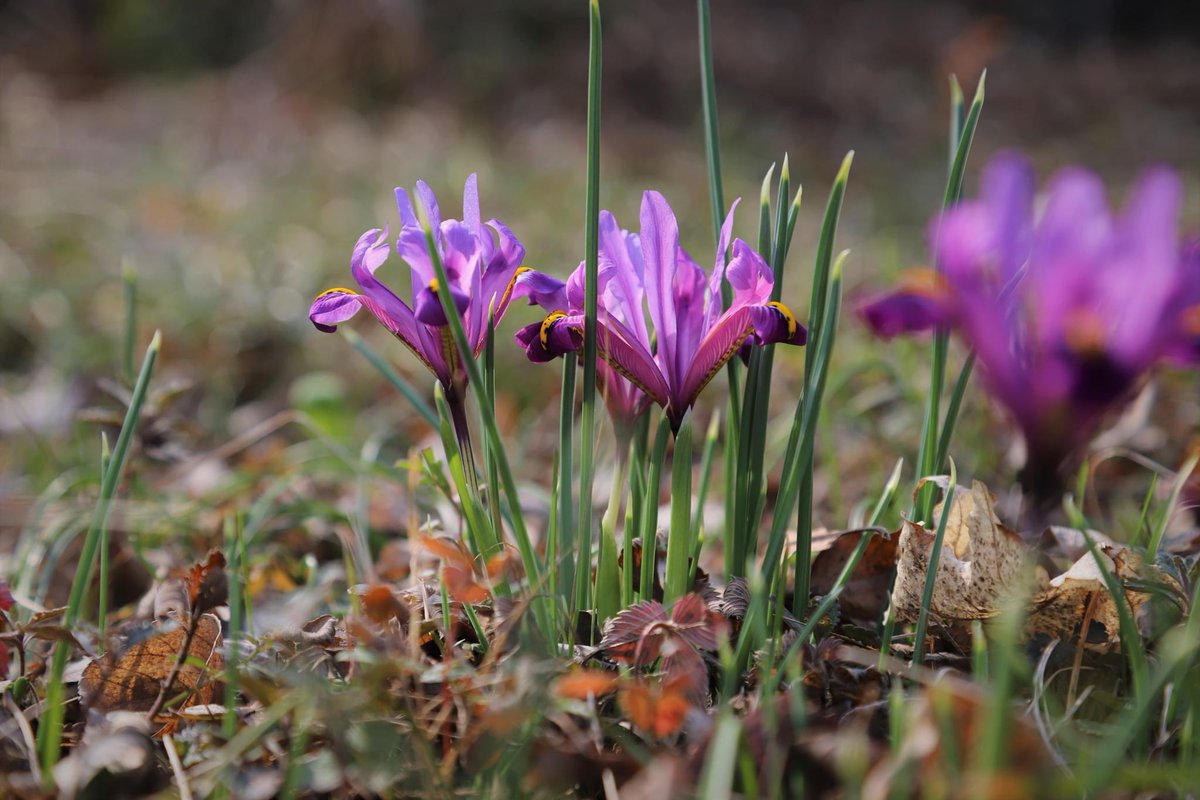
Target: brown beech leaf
point(980, 559)
point(1080, 595)
point(657, 708)
point(458, 569)
point(381, 604)
point(131, 680)
point(585, 683)
point(865, 594)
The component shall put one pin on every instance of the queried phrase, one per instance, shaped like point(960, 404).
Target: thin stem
point(679, 539)
point(587, 442)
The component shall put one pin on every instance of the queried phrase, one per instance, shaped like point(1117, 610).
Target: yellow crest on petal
point(787, 315)
point(547, 323)
point(336, 290)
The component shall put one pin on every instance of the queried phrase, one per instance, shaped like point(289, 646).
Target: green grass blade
point(102, 600)
point(800, 440)
point(608, 579)
point(707, 456)
point(650, 511)
point(961, 135)
point(1181, 479)
point(716, 780)
point(1131, 636)
point(951, 418)
point(712, 145)
point(935, 556)
point(50, 727)
point(888, 494)
point(587, 442)
point(391, 376)
point(235, 554)
point(566, 550)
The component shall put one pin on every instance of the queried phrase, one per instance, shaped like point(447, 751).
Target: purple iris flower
point(482, 262)
point(1067, 310)
point(693, 334)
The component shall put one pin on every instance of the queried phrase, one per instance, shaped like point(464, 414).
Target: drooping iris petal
point(765, 324)
point(333, 307)
point(549, 339)
point(921, 303)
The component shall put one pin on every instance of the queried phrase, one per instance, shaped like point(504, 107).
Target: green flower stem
point(679, 539)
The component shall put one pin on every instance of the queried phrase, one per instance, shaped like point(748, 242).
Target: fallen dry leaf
point(980, 559)
point(1080, 594)
point(459, 570)
point(131, 680)
point(585, 683)
point(865, 594)
point(657, 708)
point(207, 583)
point(381, 604)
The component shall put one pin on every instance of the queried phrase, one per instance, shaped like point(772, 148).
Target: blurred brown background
point(231, 151)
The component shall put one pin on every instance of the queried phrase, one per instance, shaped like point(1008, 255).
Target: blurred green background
point(232, 152)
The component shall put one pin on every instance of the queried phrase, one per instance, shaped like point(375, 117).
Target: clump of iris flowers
point(690, 335)
point(482, 261)
point(1066, 309)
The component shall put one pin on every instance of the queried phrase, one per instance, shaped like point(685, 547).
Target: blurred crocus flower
point(1067, 310)
point(481, 262)
point(693, 335)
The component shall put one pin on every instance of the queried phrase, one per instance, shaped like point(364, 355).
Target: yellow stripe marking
point(512, 283)
point(337, 290)
point(787, 315)
point(547, 324)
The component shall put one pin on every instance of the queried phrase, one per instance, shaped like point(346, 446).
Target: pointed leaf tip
point(844, 173)
point(785, 173)
point(156, 342)
point(956, 92)
point(765, 192)
point(838, 262)
point(979, 87)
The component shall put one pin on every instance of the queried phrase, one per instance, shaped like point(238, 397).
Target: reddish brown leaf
point(625, 631)
point(131, 680)
point(584, 684)
point(207, 584)
point(381, 605)
point(657, 709)
point(866, 593)
point(459, 570)
point(6, 598)
point(643, 634)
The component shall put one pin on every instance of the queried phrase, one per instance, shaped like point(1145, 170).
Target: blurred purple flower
point(694, 336)
point(1066, 311)
point(482, 262)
